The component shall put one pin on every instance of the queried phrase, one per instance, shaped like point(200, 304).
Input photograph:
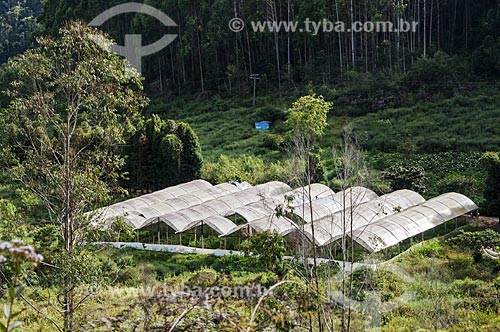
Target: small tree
point(491, 162)
point(72, 104)
point(307, 118)
point(269, 248)
point(406, 177)
point(306, 122)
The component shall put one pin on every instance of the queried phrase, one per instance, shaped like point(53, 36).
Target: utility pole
point(254, 77)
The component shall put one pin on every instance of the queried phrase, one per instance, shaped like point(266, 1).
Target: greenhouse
point(395, 228)
point(234, 210)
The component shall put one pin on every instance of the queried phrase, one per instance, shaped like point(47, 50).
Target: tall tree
point(306, 123)
point(72, 105)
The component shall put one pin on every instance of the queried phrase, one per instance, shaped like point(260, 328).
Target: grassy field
point(449, 289)
point(227, 126)
point(460, 123)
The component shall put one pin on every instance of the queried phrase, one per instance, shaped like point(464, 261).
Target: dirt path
point(483, 221)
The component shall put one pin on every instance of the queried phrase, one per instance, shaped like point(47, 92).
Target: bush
point(406, 177)
point(246, 168)
point(474, 241)
point(271, 114)
point(459, 183)
point(204, 278)
point(268, 247)
point(491, 163)
point(274, 141)
point(430, 248)
point(441, 66)
point(387, 283)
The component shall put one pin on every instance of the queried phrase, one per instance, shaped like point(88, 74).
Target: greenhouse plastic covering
point(393, 229)
point(219, 224)
point(301, 195)
point(377, 222)
point(331, 228)
point(222, 206)
point(136, 211)
point(326, 206)
point(281, 225)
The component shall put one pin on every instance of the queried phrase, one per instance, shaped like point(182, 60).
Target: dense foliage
point(421, 104)
point(161, 154)
point(18, 24)
point(491, 162)
point(251, 169)
point(207, 56)
point(72, 104)
point(412, 177)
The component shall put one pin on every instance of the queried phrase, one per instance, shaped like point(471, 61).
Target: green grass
point(461, 123)
point(450, 290)
point(464, 123)
point(227, 126)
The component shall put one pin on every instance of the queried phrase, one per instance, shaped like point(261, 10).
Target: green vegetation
point(269, 248)
point(412, 177)
point(76, 126)
point(455, 42)
point(449, 167)
point(448, 289)
point(162, 154)
point(18, 24)
point(460, 123)
point(16, 260)
point(231, 131)
point(251, 169)
point(72, 104)
point(491, 161)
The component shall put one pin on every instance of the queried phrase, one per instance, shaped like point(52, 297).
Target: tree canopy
point(72, 106)
point(307, 116)
point(161, 154)
point(491, 162)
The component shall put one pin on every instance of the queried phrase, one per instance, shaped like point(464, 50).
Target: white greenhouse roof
point(136, 211)
point(332, 227)
point(376, 222)
point(393, 229)
point(222, 206)
point(301, 195)
point(281, 225)
point(326, 206)
point(220, 224)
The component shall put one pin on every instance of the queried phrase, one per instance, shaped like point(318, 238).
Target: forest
point(209, 58)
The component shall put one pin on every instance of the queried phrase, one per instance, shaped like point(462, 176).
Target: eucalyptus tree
point(306, 122)
point(72, 105)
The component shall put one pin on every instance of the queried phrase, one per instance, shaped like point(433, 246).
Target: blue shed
point(262, 125)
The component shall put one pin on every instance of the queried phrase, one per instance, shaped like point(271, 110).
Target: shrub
point(474, 241)
point(274, 141)
point(245, 168)
point(269, 247)
point(491, 162)
point(430, 248)
point(387, 283)
point(203, 278)
point(459, 183)
point(406, 177)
